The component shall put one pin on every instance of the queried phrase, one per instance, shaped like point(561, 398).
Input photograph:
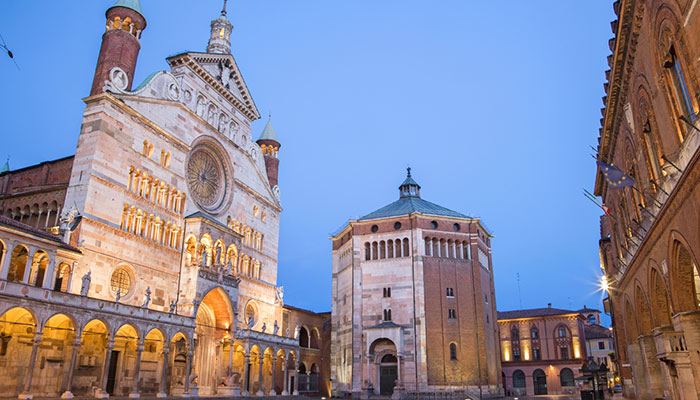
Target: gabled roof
point(384, 325)
point(533, 312)
point(409, 205)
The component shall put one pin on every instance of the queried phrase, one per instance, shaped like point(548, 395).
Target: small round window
point(120, 281)
point(375, 228)
point(434, 224)
point(456, 227)
point(397, 226)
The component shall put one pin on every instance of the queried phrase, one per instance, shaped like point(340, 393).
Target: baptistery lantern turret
point(219, 41)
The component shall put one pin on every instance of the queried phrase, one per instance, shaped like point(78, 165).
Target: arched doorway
point(539, 382)
point(213, 321)
point(387, 374)
point(519, 384)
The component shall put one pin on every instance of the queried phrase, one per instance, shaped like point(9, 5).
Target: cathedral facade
point(413, 306)
point(147, 262)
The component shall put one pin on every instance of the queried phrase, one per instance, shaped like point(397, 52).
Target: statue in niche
point(296, 332)
point(85, 287)
point(220, 274)
point(275, 328)
point(264, 327)
point(287, 332)
point(251, 321)
point(229, 267)
point(226, 73)
point(147, 298)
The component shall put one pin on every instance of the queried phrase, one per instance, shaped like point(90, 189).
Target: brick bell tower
point(270, 147)
point(120, 45)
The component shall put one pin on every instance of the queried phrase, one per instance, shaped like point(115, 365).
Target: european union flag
point(614, 175)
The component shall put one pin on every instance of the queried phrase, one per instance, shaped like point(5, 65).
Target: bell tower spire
point(219, 40)
point(120, 45)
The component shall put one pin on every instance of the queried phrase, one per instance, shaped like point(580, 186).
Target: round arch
point(685, 282)
point(660, 301)
point(643, 312)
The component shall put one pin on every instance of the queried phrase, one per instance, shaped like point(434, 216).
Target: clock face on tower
point(206, 178)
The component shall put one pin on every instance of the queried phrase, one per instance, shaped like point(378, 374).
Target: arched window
point(514, 333)
point(374, 251)
point(680, 86)
point(453, 351)
point(566, 377)
point(18, 263)
point(303, 337)
point(368, 253)
point(561, 331)
point(387, 315)
point(534, 333)
point(405, 247)
point(518, 379)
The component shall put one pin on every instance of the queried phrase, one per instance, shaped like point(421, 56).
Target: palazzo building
point(650, 240)
point(543, 350)
point(413, 306)
point(147, 262)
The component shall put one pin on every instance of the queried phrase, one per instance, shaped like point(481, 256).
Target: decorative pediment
point(221, 72)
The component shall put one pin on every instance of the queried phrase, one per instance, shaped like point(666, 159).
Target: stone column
point(5, 266)
point(188, 366)
point(246, 375)
point(50, 272)
point(308, 381)
point(285, 385)
point(230, 357)
point(32, 361)
point(105, 370)
point(369, 371)
point(166, 350)
point(273, 392)
point(295, 392)
point(261, 360)
point(135, 392)
point(28, 266)
point(398, 370)
point(76, 345)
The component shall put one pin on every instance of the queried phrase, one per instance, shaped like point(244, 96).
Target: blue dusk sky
point(494, 105)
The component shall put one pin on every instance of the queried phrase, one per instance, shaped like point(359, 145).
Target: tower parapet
point(120, 46)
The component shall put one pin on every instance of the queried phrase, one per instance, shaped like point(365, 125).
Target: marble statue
point(173, 304)
point(275, 328)
point(147, 298)
point(85, 287)
point(251, 321)
point(264, 328)
point(118, 295)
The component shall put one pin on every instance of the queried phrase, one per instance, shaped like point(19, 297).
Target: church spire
point(409, 187)
point(219, 40)
point(270, 146)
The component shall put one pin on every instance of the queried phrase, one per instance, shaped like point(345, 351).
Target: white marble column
point(261, 360)
point(28, 266)
point(5, 266)
point(32, 362)
point(166, 350)
point(273, 392)
point(49, 274)
point(285, 385)
point(295, 392)
point(76, 345)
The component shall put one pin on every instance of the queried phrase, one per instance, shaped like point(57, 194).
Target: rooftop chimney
point(549, 305)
